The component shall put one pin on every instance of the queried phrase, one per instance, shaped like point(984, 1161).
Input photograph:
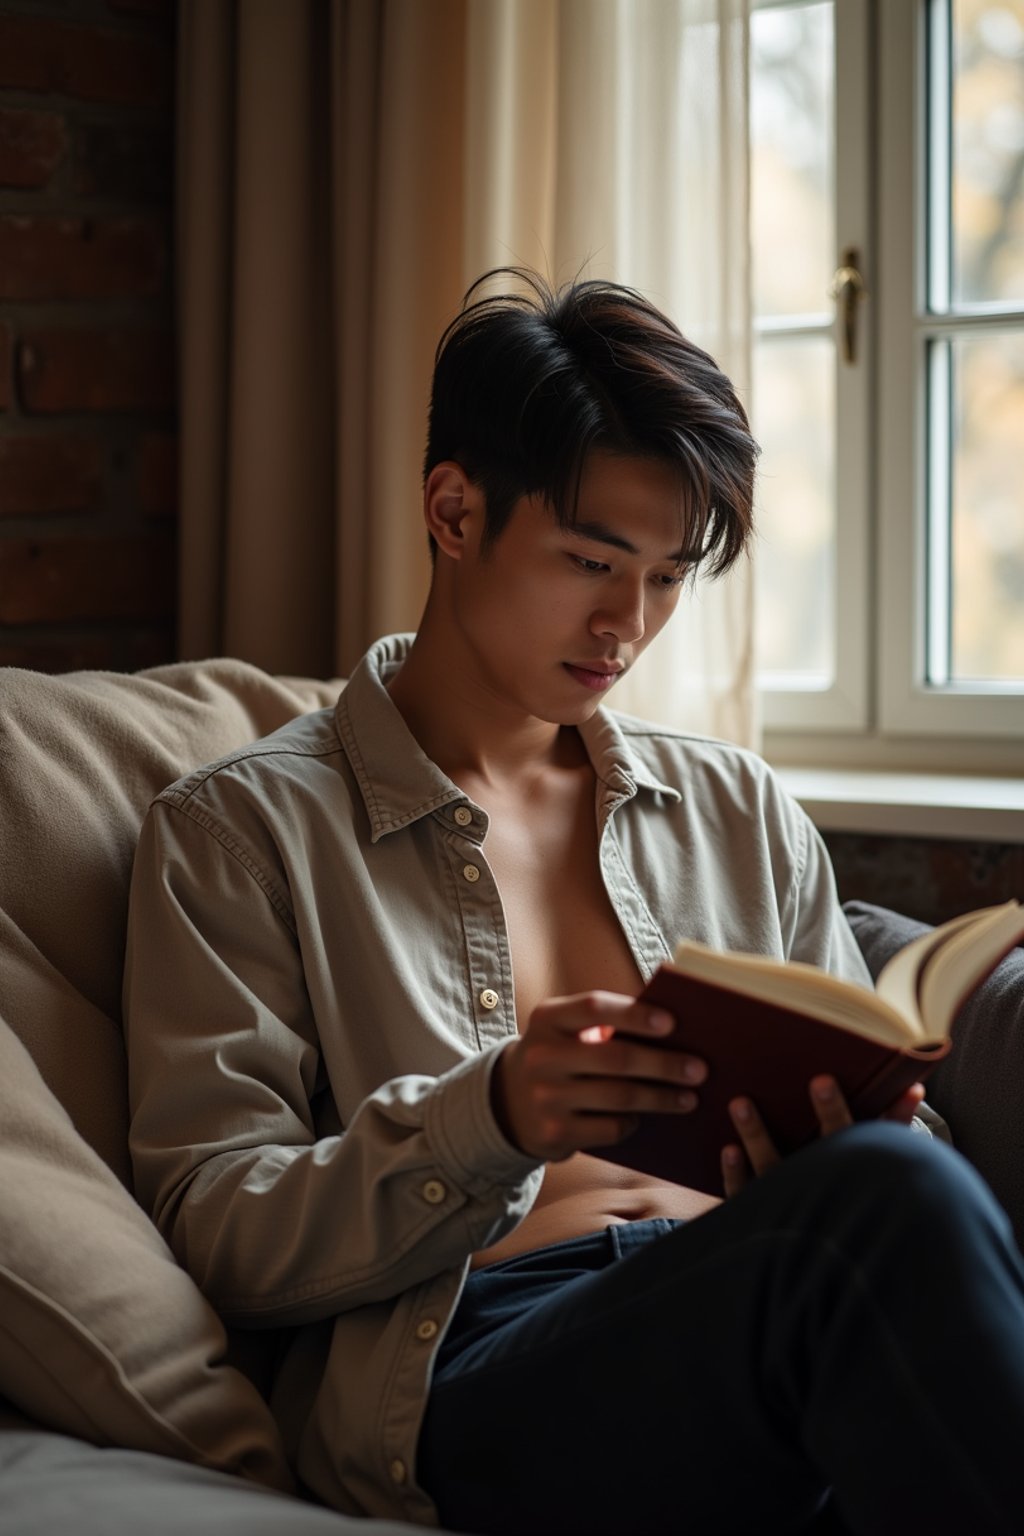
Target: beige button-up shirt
point(317, 982)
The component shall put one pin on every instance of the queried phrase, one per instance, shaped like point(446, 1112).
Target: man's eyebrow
point(600, 533)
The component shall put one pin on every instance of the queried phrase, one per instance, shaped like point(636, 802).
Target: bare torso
point(565, 938)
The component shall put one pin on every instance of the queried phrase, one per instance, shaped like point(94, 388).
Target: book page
point(932, 976)
point(899, 979)
point(951, 973)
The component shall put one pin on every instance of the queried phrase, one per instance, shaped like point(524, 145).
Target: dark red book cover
point(767, 1053)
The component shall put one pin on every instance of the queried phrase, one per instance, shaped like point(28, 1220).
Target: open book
point(765, 1027)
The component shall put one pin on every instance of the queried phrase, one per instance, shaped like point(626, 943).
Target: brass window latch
point(848, 289)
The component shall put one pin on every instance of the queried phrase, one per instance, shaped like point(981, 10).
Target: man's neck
point(469, 732)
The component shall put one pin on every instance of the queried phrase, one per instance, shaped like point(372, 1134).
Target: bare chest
point(564, 935)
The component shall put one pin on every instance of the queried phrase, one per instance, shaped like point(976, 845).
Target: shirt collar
point(399, 783)
point(614, 760)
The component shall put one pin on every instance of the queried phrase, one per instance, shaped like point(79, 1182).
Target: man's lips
point(596, 675)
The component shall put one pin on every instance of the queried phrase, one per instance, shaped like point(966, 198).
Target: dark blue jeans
point(841, 1347)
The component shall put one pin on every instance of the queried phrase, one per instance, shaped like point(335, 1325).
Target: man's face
point(549, 618)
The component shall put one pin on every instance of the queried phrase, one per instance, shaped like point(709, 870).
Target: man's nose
point(621, 615)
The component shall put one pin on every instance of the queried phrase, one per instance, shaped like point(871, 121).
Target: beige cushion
point(81, 756)
point(102, 1336)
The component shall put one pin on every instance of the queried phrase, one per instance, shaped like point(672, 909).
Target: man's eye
point(593, 566)
point(670, 582)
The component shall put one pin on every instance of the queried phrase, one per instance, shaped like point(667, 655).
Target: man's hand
point(757, 1152)
point(579, 1075)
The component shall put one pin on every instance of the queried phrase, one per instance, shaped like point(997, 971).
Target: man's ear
point(452, 507)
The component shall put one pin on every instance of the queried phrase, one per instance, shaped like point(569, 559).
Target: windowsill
point(910, 804)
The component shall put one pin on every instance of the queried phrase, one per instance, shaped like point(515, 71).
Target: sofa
point(123, 1401)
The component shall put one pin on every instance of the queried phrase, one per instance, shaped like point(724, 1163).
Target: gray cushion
point(54, 1484)
point(979, 1088)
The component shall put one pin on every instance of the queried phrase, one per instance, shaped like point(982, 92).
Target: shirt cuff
point(461, 1126)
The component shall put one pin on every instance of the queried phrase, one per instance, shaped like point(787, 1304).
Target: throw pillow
point(102, 1335)
point(81, 757)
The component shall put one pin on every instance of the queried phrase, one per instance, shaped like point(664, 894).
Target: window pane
point(794, 420)
point(988, 151)
point(791, 117)
point(987, 576)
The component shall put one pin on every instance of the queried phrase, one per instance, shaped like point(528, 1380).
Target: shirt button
point(398, 1471)
point(489, 999)
point(427, 1329)
point(434, 1192)
point(470, 873)
point(463, 815)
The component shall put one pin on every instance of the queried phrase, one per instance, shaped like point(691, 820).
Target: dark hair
point(526, 384)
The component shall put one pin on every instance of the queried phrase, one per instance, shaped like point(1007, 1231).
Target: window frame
point(844, 704)
point(908, 703)
point(896, 720)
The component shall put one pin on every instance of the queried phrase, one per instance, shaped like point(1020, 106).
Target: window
point(887, 146)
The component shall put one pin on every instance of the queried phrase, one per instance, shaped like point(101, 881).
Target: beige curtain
point(346, 168)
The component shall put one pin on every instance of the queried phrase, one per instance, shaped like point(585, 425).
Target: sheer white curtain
point(611, 136)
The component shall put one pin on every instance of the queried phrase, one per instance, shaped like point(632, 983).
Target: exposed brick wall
point(87, 427)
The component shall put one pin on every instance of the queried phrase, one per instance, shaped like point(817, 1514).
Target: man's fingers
point(566, 1061)
point(757, 1151)
point(627, 1096)
point(621, 1057)
point(599, 1014)
point(753, 1133)
point(602, 1034)
point(906, 1106)
point(735, 1172)
point(586, 1009)
point(582, 1071)
point(829, 1105)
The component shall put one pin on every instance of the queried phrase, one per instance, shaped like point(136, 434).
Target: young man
point(366, 961)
